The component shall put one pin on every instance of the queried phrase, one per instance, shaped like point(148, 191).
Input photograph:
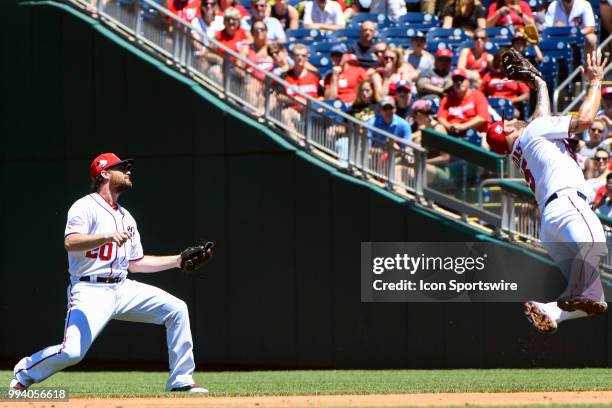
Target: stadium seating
point(346, 33)
point(304, 33)
point(502, 106)
point(380, 19)
point(426, 19)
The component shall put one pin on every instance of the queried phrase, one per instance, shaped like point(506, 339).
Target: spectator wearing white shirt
point(393, 9)
point(258, 13)
point(574, 13)
point(209, 23)
point(323, 15)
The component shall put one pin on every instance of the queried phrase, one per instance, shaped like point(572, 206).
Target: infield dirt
point(374, 400)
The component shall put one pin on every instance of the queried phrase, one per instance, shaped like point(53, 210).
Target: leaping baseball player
point(103, 243)
point(570, 231)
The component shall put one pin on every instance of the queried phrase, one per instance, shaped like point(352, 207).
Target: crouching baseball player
point(103, 242)
point(570, 231)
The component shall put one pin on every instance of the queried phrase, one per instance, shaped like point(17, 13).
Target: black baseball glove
point(194, 257)
point(518, 68)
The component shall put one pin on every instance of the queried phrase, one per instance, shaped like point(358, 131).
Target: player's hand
point(594, 67)
point(118, 238)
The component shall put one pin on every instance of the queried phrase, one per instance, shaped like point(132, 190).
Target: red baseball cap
point(104, 162)
point(606, 90)
point(459, 72)
point(496, 138)
point(444, 52)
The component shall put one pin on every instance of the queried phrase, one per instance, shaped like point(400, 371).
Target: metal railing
point(572, 77)
point(308, 122)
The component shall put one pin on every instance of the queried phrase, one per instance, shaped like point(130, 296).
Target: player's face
point(513, 130)
point(119, 178)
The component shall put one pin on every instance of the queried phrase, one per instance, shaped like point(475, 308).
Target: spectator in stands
point(185, 9)
point(379, 50)
point(344, 79)
point(395, 69)
point(463, 108)
point(209, 23)
point(388, 121)
point(325, 15)
point(357, 6)
point(606, 112)
point(365, 105)
point(275, 29)
point(495, 84)
point(596, 171)
point(519, 43)
point(300, 77)
point(281, 58)
point(258, 50)
point(225, 4)
point(393, 9)
point(595, 140)
point(422, 113)
point(364, 47)
point(465, 14)
point(605, 12)
point(576, 13)
point(403, 98)
point(475, 61)
point(417, 56)
point(510, 13)
point(432, 84)
point(232, 36)
point(285, 13)
point(603, 204)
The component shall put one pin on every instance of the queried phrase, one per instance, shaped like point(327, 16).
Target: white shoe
point(16, 385)
point(190, 388)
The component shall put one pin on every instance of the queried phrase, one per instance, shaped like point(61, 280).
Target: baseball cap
point(402, 83)
point(496, 138)
point(444, 52)
point(386, 101)
point(458, 72)
point(606, 90)
point(339, 48)
point(421, 105)
point(104, 162)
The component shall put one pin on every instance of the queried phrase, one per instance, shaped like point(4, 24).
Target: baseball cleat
point(190, 388)
point(588, 306)
point(16, 385)
point(538, 318)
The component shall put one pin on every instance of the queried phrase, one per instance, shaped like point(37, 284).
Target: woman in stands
point(395, 69)
point(258, 55)
point(209, 23)
point(495, 84)
point(232, 36)
point(465, 14)
point(476, 60)
point(225, 4)
point(365, 105)
point(513, 13)
point(285, 13)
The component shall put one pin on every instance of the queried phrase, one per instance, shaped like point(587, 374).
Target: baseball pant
point(574, 238)
point(92, 305)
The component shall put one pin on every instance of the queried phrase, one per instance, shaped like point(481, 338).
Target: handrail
point(570, 78)
point(578, 98)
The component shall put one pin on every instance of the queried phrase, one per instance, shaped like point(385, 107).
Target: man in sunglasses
point(574, 13)
point(103, 242)
point(258, 13)
point(570, 231)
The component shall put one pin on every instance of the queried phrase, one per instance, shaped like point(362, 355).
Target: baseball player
point(103, 242)
point(570, 231)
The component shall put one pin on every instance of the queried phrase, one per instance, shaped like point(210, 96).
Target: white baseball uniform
point(92, 304)
point(570, 231)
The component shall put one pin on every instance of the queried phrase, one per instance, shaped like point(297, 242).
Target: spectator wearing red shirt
point(496, 85)
point(463, 108)
point(344, 79)
point(515, 13)
point(232, 36)
point(476, 60)
point(225, 4)
point(185, 9)
point(300, 77)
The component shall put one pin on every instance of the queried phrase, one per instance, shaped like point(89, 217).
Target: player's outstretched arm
point(543, 100)
point(85, 242)
point(150, 263)
point(593, 70)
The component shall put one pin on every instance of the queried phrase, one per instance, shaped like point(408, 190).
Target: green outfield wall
point(283, 287)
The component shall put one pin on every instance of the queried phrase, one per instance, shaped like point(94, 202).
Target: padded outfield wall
point(283, 287)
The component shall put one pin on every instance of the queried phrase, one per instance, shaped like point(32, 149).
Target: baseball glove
point(194, 257)
point(518, 68)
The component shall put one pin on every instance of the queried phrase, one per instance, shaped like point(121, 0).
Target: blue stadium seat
point(418, 18)
point(322, 62)
point(350, 33)
point(502, 106)
point(380, 19)
point(304, 33)
point(290, 44)
point(558, 48)
point(446, 34)
point(398, 32)
point(405, 43)
point(324, 47)
point(501, 42)
point(499, 32)
point(536, 4)
point(550, 71)
point(568, 34)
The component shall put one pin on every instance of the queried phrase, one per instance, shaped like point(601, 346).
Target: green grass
point(140, 384)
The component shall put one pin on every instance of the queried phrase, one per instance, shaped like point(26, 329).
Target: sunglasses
point(480, 38)
point(402, 90)
point(259, 30)
point(300, 55)
point(595, 130)
point(389, 58)
point(601, 158)
point(208, 4)
point(387, 108)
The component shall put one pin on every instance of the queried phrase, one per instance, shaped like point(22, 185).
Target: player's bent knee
point(73, 355)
